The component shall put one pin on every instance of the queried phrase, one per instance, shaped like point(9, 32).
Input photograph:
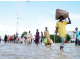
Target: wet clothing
point(0, 40)
point(41, 40)
point(22, 40)
point(77, 42)
point(37, 38)
point(62, 41)
point(46, 34)
point(62, 31)
point(8, 38)
point(41, 37)
point(77, 38)
point(28, 38)
point(14, 37)
point(77, 35)
point(5, 38)
point(31, 37)
point(18, 38)
point(61, 28)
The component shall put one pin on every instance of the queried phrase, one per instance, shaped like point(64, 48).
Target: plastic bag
point(45, 40)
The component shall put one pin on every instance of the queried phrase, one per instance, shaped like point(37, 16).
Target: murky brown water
point(24, 51)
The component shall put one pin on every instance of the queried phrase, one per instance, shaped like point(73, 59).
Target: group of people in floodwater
point(11, 38)
point(60, 28)
point(46, 34)
point(29, 38)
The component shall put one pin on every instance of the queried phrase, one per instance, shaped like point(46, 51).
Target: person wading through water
point(37, 37)
point(77, 37)
point(41, 37)
point(28, 38)
point(47, 36)
point(61, 29)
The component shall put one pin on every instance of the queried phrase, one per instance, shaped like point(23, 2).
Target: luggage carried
point(45, 40)
point(60, 12)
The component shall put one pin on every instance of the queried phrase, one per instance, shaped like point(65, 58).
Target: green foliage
point(52, 37)
point(68, 37)
point(43, 37)
point(24, 33)
point(59, 39)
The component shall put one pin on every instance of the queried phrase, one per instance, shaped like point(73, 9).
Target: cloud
point(74, 16)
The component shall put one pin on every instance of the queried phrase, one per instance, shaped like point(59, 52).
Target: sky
point(36, 15)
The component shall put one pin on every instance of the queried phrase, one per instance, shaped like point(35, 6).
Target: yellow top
point(46, 34)
point(61, 28)
point(8, 38)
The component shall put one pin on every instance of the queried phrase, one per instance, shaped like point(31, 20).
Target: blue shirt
point(77, 34)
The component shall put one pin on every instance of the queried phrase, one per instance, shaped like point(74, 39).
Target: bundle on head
point(60, 13)
point(61, 17)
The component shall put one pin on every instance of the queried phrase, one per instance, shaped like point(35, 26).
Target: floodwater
point(24, 51)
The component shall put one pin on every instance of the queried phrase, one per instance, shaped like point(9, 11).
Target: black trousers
point(77, 42)
point(41, 40)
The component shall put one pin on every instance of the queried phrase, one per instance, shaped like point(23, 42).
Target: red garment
point(10, 37)
point(31, 37)
point(18, 38)
point(63, 41)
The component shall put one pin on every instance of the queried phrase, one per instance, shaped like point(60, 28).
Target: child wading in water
point(61, 29)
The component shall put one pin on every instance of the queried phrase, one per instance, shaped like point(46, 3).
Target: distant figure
point(0, 39)
point(77, 37)
point(41, 37)
point(16, 35)
point(8, 38)
point(28, 38)
point(37, 37)
point(22, 40)
point(34, 38)
point(14, 38)
point(31, 38)
point(47, 36)
point(25, 37)
point(5, 38)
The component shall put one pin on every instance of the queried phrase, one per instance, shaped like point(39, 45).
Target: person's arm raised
point(69, 20)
